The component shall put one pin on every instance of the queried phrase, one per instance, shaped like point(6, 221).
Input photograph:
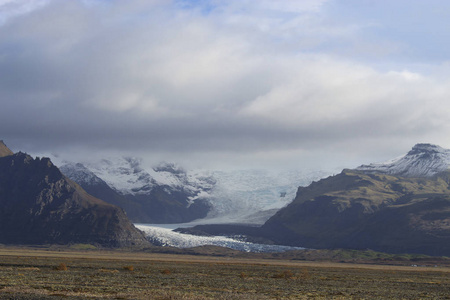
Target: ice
point(163, 236)
point(253, 196)
point(237, 196)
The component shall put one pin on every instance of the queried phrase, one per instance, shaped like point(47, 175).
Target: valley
point(167, 193)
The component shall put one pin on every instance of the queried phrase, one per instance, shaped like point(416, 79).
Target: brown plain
point(27, 273)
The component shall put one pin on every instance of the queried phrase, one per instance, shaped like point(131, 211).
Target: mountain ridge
point(169, 198)
point(399, 206)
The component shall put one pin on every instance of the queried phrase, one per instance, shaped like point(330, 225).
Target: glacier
point(165, 236)
point(253, 196)
point(235, 196)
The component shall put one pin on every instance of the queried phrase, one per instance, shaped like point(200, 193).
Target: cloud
point(216, 80)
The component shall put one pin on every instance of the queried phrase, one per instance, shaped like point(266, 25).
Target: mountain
point(370, 208)
point(376, 211)
point(166, 194)
point(39, 205)
point(98, 188)
point(366, 209)
point(424, 160)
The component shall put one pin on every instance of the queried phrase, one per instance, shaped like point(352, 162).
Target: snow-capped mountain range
point(126, 175)
point(424, 160)
point(239, 196)
point(243, 196)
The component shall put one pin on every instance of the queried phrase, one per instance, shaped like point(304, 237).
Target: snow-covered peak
point(124, 174)
point(127, 176)
point(426, 149)
point(196, 184)
point(423, 160)
point(79, 173)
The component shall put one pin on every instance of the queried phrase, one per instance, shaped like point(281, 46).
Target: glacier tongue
point(166, 237)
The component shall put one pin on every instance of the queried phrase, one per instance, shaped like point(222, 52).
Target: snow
point(79, 173)
point(123, 174)
point(424, 160)
point(239, 196)
point(166, 237)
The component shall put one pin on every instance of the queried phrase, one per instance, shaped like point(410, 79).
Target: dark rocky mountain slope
point(98, 188)
point(39, 205)
point(368, 211)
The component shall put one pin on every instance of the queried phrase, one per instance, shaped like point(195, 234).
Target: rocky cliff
point(39, 205)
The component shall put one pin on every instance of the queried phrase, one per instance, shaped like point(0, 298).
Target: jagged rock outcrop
point(39, 205)
point(4, 150)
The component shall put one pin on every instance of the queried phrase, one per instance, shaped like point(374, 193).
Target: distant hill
point(39, 205)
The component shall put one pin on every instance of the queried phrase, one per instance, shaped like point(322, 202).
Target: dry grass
point(61, 267)
point(128, 268)
point(32, 275)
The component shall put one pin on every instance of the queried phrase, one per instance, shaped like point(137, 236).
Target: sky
point(314, 84)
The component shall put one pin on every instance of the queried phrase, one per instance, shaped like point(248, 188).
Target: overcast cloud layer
point(235, 83)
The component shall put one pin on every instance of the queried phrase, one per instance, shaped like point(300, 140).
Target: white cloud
point(254, 79)
point(13, 8)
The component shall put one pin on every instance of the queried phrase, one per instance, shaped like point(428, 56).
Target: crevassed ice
point(167, 237)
